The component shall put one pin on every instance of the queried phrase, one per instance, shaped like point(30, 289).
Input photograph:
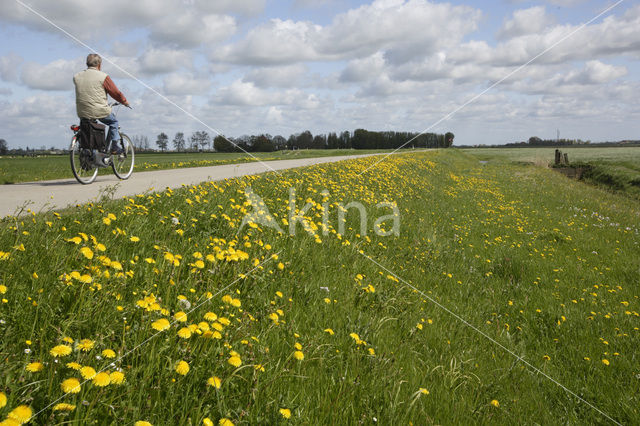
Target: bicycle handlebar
point(118, 103)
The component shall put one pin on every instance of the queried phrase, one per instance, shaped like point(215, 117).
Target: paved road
point(60, 193)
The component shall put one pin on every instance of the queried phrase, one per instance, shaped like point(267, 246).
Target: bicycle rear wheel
point(122, 164)
point(81, 164)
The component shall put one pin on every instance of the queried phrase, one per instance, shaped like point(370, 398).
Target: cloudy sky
point(282, 67)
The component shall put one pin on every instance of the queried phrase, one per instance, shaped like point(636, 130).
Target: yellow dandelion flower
point(182, 368)
point(134, 239)
point(106, 221)
point(3, 289)
point(199, 264)
point(207, 421)
point(87, 252)
point(236, 303)
point(210, 316)
point(101, 379)
point(85, 345)
point(298, 355)
point(63, 406)
point(108, 353)
point(225, 422)
point(224, 321)
point(286, 413)
point(605, 361)
point(180, 316)
point(22, 414)
point(70, 385)
point(280, 266)
point(161, 324)
point(495, 403)
point(116, 377)
point(74, 366)
point(298, 346)
point(214, 381)
point(235, 361)
point(3, 399)
point(60, 351)
point(88, 372)
point(546, 357)
point(142, 423)
point(423, 391)
point(372, 352)
point(100, 247)
point(330, 331)
point(34, 367)
point(184, 333)
point(216, 335)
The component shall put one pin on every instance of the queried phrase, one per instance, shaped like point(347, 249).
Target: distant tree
point(222, 144)
point(262, 144)
point(319, 142)
point(193, 141)
point(345, 140)
point(3, 147)
point(448, 137)
point(332, 141)
point(534, 140)
point(162, 141)
point(179, 142)
point(200, 138)
point(279, 142)
point(205, 140)
point(292, 142)
point(304, 140)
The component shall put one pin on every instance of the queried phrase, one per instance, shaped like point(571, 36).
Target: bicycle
point(85, 162)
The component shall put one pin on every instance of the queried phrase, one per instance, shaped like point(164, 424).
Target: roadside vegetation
point(16, 169)
point(163, 308)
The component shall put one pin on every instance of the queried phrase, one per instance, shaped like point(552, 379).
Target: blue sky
point(282, 67)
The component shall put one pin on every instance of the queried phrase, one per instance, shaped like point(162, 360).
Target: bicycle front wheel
point(122, 164)
point(81, 163)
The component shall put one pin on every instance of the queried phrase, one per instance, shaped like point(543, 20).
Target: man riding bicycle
point(92, 87)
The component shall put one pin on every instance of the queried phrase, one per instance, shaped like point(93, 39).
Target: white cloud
point(57, 75)
point(185, 84)
point(596, 72)
point(526, 21)
point(248, 94)
point(125, 48)
point(403, 29)
point(364, 69)
point(161, 61)
point(277, 76)
point(10, 66)
point(169, 21)
point(276, 42)
point(191, 29)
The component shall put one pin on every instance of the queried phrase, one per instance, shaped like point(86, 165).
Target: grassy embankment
point(29, 169)
point(206, 321)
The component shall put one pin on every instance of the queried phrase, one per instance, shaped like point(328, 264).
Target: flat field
point(545, 156)
point(46, 167)
point(509, 295)
point(612, 168)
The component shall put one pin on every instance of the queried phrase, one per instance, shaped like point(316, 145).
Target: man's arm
point(113, 91)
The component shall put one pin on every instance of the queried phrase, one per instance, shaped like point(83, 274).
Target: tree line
point(359, 139)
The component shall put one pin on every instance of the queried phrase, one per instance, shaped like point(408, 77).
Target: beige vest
point(91, 98)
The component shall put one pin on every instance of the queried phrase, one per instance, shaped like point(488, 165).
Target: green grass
point(46, 167)
point(549, 274)
point(614, 168)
